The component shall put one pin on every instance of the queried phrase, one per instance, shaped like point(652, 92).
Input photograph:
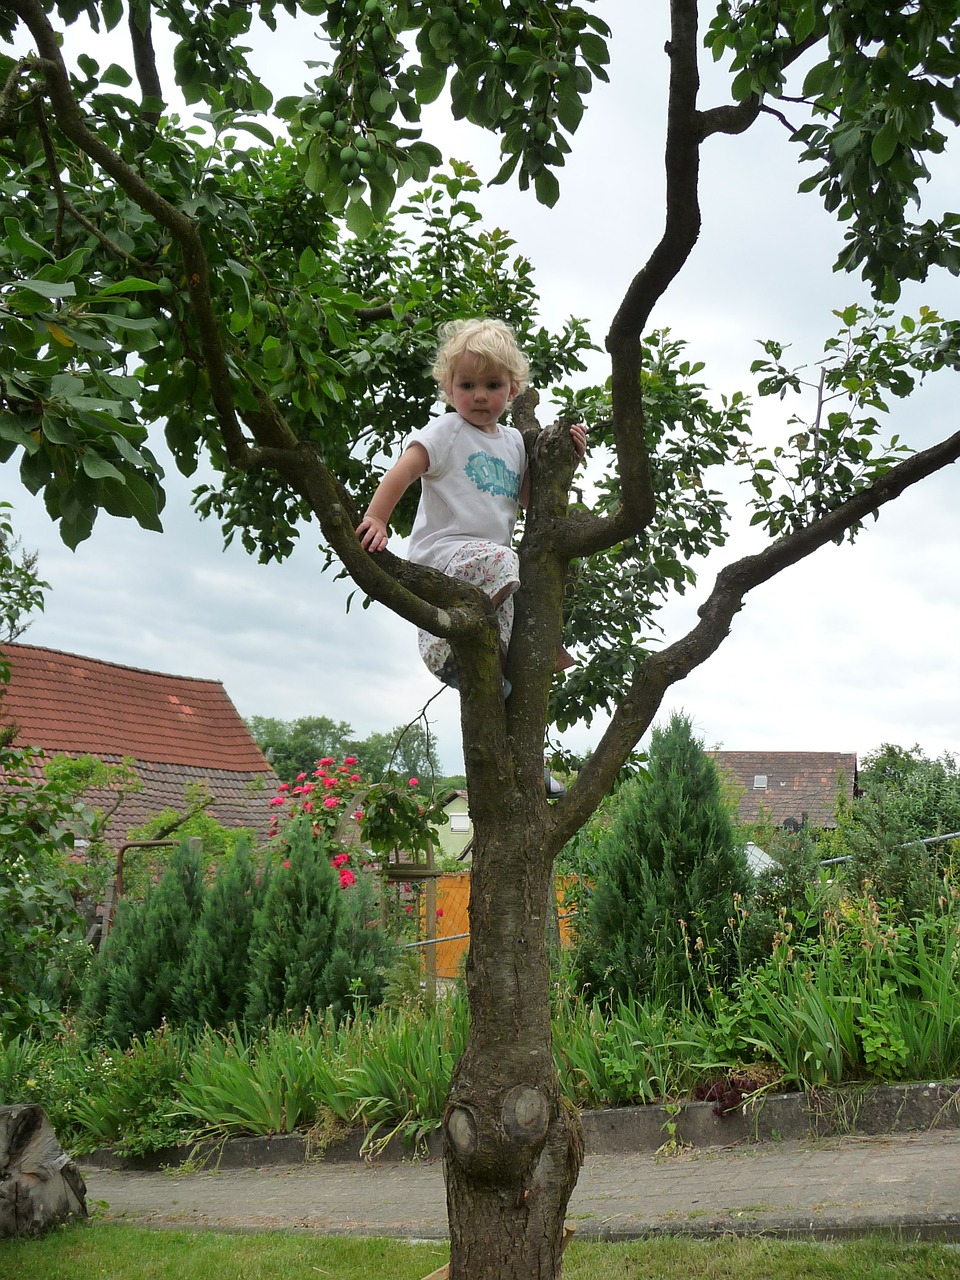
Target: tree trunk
point(40, 1185)
point(512, 1148)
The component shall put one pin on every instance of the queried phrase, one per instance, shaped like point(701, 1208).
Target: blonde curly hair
point(492, 342)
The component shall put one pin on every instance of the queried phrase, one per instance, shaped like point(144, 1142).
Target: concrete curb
point(852, 1110)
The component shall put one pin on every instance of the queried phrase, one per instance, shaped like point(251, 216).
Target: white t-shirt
point(471, 490)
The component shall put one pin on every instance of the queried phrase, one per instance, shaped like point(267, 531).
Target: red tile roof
point(800, 786)
point(78, 706)
point(177, 729)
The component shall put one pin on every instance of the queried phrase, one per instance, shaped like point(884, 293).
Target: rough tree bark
point(40, 1185)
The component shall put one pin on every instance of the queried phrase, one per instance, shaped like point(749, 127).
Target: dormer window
point(760, 782)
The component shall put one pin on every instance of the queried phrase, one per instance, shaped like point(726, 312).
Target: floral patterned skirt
point(493, 569)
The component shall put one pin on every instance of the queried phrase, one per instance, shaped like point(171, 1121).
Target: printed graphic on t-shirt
point(492, 475)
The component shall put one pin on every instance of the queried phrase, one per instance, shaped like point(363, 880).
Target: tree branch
point(140, 25)
point(658, 672)
point(183, 228)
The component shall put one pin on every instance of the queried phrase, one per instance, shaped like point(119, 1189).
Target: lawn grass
point(106, 1251)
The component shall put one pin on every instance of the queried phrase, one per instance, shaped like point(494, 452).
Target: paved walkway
point(833, 1187)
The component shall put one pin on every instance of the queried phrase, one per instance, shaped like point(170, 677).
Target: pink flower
point(284, 786)
point(277, 800)
point(287, 863)
point(347, 878)
point(408, 908)
point(329, 782)
point(331, 802)
point(358, 815)
point(414, 782)
point(439, 913)
point(354, 777)
point(300, 777)
point(340, 859)
point(308, 806)
point(349, 759)
point(325, 761)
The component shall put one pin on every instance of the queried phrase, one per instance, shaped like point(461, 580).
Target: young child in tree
point(473, 476)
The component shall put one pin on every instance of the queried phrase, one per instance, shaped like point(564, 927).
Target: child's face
point(480, 397)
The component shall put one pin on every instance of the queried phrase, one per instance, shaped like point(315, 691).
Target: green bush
point(315, 945)
point(669, 872)
point(41, 933)
point(213, 985)
point(131, 988)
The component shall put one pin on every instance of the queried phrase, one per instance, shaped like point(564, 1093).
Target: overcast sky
point(855, 647)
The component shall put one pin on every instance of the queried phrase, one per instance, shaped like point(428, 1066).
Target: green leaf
point(594, 50)
point(134, 496)
point(258, 130)
point(20, 242)
point(359, 218)
point(58, 430)
point(118, 75)
point(547, 188)
point(130, 284)
point(77, 530)
point(49, 288)
point(885, 142)
point(97, 467)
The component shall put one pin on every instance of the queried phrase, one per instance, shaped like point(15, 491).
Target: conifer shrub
point(130, 988)
point(315, 944)
point(213, 986)
point(668, 870)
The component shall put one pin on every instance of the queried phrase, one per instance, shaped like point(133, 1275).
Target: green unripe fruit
point(166, 286)
point(498, 57)
point(542, 131)
point(501, 27)
point(348, 154)
point(371, 8)
point(340, 128)
point(362, 143)
point(326, 119)
point(350, 172)
point(563, 70)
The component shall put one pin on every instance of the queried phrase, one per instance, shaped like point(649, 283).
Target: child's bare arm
point(410, 466)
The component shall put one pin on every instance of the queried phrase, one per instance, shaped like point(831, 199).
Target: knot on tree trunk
point(493, 1138)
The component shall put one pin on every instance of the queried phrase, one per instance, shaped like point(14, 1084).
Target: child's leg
point(495, 570)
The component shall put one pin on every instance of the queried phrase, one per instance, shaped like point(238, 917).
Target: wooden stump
point(40, 1185)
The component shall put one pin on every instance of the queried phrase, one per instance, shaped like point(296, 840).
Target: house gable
point(177, 730)
point(789, 788)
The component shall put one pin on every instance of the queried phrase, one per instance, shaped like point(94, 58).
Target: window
point(459, 822)
point(760, 782)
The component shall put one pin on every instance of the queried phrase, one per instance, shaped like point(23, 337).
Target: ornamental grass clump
point(868, 997)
